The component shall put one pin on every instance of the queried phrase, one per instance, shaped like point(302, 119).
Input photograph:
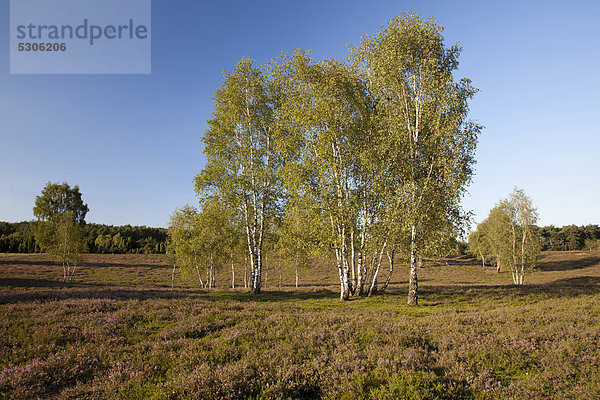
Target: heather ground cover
point(119, 331)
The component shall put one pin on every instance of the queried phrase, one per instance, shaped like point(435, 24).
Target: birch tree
point(64, 240)
point(59, 231)
point(241, 162)
point(184, 241)
point(522, 217)
point(428, 143)
point(509, 235)
point(328, 129)
point(479, 243)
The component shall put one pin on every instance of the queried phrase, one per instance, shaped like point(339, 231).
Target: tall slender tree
point(427, 140)
point(241, 161)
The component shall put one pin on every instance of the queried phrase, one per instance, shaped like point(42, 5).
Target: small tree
point(59, 232)
point(525, 248)
point(479, 244)
point(184, 246)
point(509, 235)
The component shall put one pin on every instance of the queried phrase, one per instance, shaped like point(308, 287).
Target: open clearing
point(119, 331)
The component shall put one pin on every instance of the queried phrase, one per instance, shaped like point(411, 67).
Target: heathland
point(120, 331)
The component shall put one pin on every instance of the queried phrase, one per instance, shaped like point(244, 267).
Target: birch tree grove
point(428, 143)
point(376, 150)
point(241, 162)
point(509, 235)
point(328, 136)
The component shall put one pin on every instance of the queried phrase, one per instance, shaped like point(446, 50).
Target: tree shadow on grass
point(571, 264)
point(561, 288)
point(46, 290)
point(29, 282)
point(45, 263)
point(15, 290)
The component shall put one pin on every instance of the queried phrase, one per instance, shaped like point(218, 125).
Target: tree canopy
point(58, 199)
point(375, 151)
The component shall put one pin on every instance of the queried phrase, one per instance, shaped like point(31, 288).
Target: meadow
point(120, 331)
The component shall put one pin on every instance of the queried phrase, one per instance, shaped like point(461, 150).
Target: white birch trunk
point(232, 274)
point(412, 280)
point(173, 277)
point(199, 276)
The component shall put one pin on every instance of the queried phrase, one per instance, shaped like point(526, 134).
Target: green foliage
point(125, 239)
point(378, 147)
point(509, 235)
point(63, 239)
point(59, 199)
point(19, 238)
point(427, 141)
point(205, 238)
point(241, 161)
point(59, 231)
point(298, 234)
point(569, 237)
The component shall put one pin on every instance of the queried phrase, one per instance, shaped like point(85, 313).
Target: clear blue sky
point(131, 142)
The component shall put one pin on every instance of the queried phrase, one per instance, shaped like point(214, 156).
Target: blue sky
point(131, 142)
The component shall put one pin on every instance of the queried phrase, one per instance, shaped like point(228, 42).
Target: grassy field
point(119, 331)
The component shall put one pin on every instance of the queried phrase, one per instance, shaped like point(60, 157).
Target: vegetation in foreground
point(123, 333)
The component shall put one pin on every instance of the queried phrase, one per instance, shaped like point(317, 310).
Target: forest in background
point(18, 237)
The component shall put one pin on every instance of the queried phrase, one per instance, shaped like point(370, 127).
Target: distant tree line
point(570, 237)
point(18, 237)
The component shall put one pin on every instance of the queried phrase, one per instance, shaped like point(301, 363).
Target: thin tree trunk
point(257, 274)
point(198, 269)
point(245, 272)
point(373, 286)
point(361, 278)
point(266, 276)
point(296, 275)
point(173, 277)
point(354, 274)
point(253, 267)
point(389, 278)
point(412, 280)
point(199, 276)
point(72, 273)
point(523, 244)
point(232, 274)
point(343, 283)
